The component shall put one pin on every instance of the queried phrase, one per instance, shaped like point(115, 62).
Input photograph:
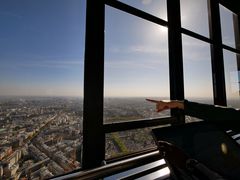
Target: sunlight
point(153, 33)
point(160, 174)
point(159, 30)
point(163, 29)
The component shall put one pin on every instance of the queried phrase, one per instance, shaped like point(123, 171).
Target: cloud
point(135, 63)
point(146, 2)
point(157, 50)
point(136, 57)
point(147, 49)
point(53, 64)
point(195, 50)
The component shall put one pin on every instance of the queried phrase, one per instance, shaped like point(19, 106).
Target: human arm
point(164, 105)
point(225, 117)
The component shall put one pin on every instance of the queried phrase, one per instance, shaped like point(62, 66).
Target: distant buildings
point(38, 138)
point(10, 165)
point(42, 137)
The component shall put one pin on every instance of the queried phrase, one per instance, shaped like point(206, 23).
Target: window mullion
point(175, 53)
point(217, 54)
point(93, 151)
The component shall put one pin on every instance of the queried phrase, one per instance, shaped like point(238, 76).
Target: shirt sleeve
point(223, 116)
point(200, 169)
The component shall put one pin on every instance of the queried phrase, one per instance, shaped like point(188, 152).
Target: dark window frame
point(94, 129)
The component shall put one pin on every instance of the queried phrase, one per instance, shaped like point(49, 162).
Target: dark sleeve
point(222, 116)
point(202, 170)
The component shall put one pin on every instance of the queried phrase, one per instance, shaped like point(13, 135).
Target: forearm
point(227, 117)
point(176, 104)
point(201, 170)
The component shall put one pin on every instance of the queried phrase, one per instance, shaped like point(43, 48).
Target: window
point(230, 38)
point(157, 8)
point(232, 75)
point(133, 51)
point(136, 66)
point(227, 26)
point(131, 45)
point(41, 75)
point(194, 16)
point(197, 70)
point(126, 142)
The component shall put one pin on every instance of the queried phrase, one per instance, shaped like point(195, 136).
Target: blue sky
point(42, 49)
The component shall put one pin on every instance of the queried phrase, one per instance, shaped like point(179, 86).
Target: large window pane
point(197, 71)
point(194, 16)
point(136, 67)
point(232, 75)
point(155, 7)
point(41, 75)
point(227, 26)
point(126, 142)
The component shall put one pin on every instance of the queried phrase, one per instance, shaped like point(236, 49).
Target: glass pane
point(41, 75)
point(157, 8)
point(197, 71)
point(232, 75)
point(227, 26)
point(136, 67)
point(126, 142)
point(194, 16)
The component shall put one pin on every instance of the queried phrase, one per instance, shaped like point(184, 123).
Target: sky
point(42, 46)
point(42, 49)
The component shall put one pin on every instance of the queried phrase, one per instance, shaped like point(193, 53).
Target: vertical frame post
point(236, 23)
point(175, 53)
point(93, 150)
point(219, 89)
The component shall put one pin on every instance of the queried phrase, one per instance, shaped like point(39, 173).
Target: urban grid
point(41, 137)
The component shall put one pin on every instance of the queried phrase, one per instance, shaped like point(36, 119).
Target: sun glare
point(163, 29)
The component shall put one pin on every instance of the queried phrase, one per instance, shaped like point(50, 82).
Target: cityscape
point(44, 45)
point(41, 137)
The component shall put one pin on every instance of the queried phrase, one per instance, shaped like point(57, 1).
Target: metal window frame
point(93, 152)
point(94, 129)
point(218, 76)
point(175, 55)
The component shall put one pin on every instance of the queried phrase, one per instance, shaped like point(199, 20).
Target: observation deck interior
point(145, 163)
point(148, 162)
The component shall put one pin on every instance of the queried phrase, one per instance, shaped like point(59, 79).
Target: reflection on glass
point(157, 8)
point(194, 16)
point(41, 67)
point(227, 26)
point(136, 66)
point(232, 75)
point(197, 71)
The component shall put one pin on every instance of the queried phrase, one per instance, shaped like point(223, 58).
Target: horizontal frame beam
point(129, 125)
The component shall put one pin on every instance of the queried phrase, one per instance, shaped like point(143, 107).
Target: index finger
point(152, 100)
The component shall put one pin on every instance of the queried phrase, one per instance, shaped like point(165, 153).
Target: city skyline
point(42, 49)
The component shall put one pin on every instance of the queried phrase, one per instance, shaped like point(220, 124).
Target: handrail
point(112, 168)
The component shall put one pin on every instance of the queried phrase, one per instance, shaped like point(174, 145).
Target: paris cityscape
point(40, 137)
